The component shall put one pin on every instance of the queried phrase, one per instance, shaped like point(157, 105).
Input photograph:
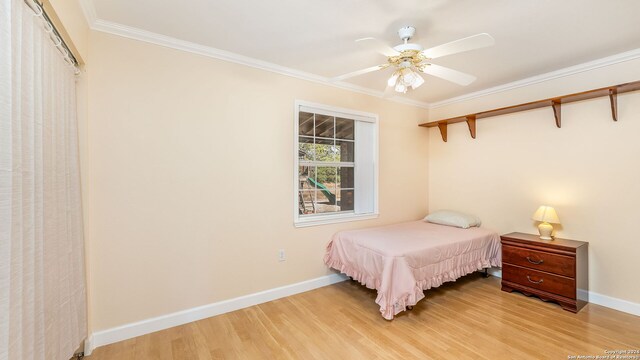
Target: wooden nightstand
point(555, 270)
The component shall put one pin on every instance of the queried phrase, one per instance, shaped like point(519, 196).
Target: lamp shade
point(546, 214)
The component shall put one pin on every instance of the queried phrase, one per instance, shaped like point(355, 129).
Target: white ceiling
point(317, 36)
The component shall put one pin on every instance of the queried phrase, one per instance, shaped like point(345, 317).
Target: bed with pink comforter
point(401, 261)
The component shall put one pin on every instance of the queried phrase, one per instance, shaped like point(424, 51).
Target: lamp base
point(545, 229)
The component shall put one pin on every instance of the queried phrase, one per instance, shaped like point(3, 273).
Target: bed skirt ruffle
point(391, 307)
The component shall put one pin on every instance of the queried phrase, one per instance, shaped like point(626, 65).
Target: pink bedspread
point(403, 260)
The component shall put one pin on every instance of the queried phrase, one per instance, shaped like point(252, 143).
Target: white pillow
point(453, 218)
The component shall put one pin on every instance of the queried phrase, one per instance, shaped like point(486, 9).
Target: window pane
point(325, 197)
point(326, 180)
point(326, 150)
point(345, 177)
point(344, 129)
point(324, 186)
point(345, 151)
point(304, 174)
point(305, 123)
point(306, 202)
point(324, 126)
point(306, 148)
point(326, 189)
point(345, 200)
point(326, 202)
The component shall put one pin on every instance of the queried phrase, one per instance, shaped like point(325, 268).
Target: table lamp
point(547, 215)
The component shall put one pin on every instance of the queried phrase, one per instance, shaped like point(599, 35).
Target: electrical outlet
point(281, 255)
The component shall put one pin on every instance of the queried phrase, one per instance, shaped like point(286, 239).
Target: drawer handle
point(535, 262)
point(535, 282)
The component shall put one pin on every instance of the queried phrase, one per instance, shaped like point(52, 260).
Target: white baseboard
point(128, 331)
point(88, 345)
point(613, 303)
point(595, 298)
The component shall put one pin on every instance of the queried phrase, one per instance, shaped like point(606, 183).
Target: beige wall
point(191, 190)
point(588, 170)
point(75, 25)
point(175, 217)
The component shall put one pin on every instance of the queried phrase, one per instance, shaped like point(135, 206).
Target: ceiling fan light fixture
point(404, 78)
point(408, 76)
point(401, 87)
point(393, 79)
point(419, 81)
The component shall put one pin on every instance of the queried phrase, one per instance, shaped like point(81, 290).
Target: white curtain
point(42, 276)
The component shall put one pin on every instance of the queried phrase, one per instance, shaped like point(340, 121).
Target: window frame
point(330, 218)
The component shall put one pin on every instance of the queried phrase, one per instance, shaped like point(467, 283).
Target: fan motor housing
point(404, 47)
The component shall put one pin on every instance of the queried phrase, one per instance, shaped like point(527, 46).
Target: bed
point(402, 260)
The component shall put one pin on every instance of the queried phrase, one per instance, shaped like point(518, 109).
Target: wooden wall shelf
point(555, 103)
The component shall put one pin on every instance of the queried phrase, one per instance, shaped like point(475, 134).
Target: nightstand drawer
point(551, 283)
point(538, 260)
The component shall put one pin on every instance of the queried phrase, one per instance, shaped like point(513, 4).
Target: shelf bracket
point(555, 103)
point(471, 122)
point(613, 97)
point(556, 112)
point(443, 130)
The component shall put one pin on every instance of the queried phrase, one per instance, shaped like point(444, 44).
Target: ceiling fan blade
point(377, 45)
point(469, 43)
point(442, 72)
point(359, 72)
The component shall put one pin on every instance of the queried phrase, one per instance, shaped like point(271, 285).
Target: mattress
point(402, 260)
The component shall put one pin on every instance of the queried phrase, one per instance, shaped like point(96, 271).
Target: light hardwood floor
point(468, 319)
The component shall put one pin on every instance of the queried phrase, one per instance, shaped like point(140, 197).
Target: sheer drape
point(42, 279)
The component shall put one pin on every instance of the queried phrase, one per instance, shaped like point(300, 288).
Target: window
point(335, 165)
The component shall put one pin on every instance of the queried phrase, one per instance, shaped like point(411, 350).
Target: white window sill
point(332, 219)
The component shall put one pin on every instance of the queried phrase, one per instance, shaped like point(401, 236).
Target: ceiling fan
point(408, 60)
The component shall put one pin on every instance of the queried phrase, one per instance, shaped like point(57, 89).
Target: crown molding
point(571, 70)
point(89, 11)
point(173, 43)
point(154, 38)
point(88, 8)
